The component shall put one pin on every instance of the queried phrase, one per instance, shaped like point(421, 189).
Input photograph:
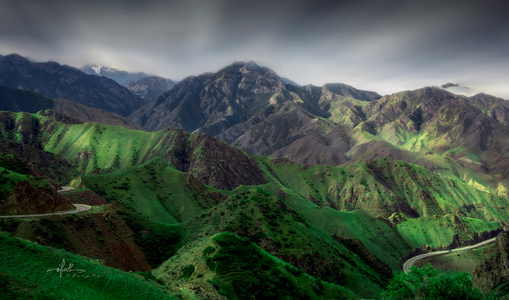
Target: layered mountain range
point(251, 107)
point(243, 185)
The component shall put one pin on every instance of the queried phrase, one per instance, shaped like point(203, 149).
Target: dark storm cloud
point(381, 45)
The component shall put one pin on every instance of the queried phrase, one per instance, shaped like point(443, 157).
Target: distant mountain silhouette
point(26, 101)
point(121, 77)
point(64, 82)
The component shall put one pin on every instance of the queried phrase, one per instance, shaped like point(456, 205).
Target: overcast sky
point(385, 46)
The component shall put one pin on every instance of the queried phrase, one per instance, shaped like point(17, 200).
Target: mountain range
point(58, 81)
point(243, 184)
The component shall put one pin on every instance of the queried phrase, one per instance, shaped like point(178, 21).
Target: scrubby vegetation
point(430, 284)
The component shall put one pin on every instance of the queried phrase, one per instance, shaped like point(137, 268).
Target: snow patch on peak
point(97, 69)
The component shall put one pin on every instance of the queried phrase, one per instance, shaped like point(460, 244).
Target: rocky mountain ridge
point(149, 88)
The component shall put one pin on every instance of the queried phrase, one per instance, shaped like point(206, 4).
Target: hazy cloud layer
point(384, 46)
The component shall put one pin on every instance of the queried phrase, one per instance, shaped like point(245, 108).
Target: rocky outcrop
point(219, 165)
point(149, 88)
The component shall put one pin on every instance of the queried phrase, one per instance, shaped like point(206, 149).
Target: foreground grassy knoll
point(30, 270)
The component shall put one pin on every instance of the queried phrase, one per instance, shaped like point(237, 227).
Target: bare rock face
point(493, 273)
point(216, 164)
point(500, 112)
point(27, 199)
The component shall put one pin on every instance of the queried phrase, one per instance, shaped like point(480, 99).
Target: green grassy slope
point(375, 203)
point(227, 265)
point(156, 190)
point(382, 187)
point(270, 223)
point(29, 270)
point(95, 148)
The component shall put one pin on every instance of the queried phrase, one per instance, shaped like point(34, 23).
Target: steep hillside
point(149, 88)
point(100, 233)
point(59, 81)
point(23, 190)
point(493, 272)
point(288, 130)
point(31, 196)
point(377, 204)
point(382, 187)
point(324, 101)
point(17, 100)
point(49, 165)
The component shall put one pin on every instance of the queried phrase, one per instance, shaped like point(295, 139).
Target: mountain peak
point(15, 58)
point(251, 64)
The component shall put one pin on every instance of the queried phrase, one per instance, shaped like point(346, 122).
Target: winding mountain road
point(79, 208)
point(411, 261)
